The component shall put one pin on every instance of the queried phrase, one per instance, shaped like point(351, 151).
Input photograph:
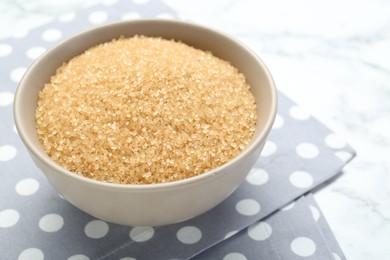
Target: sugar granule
point(145, 110)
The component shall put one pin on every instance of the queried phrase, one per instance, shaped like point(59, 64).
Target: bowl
point(147, 204)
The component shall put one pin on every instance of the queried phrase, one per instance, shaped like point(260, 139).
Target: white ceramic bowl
point(149, 204)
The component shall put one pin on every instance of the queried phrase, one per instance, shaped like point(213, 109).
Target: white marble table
point(332, 57)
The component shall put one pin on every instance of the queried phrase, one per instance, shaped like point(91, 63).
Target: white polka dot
point(288, 206)
point(335, 141)
point(260, 231)
point(8, 218)
point(51, 223)
point(140, 2)
point(17, 74)
point(248, 207)
point(27, 187)
point(343, 155)
point(307, 150)
point(6, 98)
point(65, 18)
point(301, 179)
point(315, 212)
point(31, 254)
point(51, 35)
point(269, 149)
point(189, 235)
point(257, 177)
point(230, 234)
point(127, 258)
point(98, 17)
point(235, 256)
point(7, 152)
point(5, 49)
point(78, 257)
point(96, 229)
point(336, 256)
point(299, 113)
point(35, 52)
point(303, 246)
point(165, 16)
point(141, 234)
point(279, 122)
point(131, 16)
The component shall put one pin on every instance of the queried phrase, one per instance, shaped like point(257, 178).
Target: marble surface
point(333, 58)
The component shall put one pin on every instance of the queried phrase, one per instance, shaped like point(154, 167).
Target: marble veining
point(333, 58)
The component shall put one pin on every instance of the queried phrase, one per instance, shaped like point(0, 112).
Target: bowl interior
point(199, 37)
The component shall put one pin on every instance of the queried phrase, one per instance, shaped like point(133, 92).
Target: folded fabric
point(36, 223)
point(297, 231)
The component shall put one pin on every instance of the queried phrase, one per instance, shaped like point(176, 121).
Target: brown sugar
point(145, 110)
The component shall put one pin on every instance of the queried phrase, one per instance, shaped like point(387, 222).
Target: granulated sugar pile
point(145, 110)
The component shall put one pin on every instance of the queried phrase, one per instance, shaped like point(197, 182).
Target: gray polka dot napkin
point(36, 223)
point(297, 231)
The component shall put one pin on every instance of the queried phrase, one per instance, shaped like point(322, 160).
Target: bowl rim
point(23, 84)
